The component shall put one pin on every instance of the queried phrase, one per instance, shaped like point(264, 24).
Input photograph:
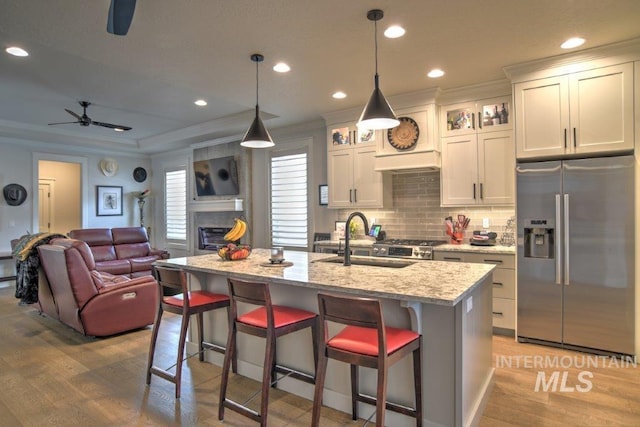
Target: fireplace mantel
point(228, 205)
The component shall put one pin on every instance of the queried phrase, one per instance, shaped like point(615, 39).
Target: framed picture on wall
point(108, 200)
point(323, 191)
point(340, 229)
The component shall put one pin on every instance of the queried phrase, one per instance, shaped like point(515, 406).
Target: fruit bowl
point(233, 252)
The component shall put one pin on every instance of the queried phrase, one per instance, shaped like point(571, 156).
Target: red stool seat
point(196, 299)
point(282, 316)
point(365, 340)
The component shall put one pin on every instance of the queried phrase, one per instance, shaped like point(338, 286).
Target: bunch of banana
point(238, 230)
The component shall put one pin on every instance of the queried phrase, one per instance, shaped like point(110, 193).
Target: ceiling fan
point(120, 16)
point(85, 120)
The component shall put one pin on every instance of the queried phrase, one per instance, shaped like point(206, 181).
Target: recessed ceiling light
point(435, 73)
point(281, 67)
point(200, 102)
point(118, 129)
point(339, 95)
point(16, 51)
point(572, 43)
point(394, 31)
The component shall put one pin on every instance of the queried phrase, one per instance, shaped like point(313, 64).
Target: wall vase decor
point(141, 201)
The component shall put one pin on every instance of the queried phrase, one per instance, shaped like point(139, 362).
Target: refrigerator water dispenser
point(538, 239)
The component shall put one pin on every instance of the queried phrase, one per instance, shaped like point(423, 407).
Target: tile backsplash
point(416, 211)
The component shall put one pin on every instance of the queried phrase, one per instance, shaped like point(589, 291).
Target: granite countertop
point(497, 249)
point(352, 243)
point(434, 282)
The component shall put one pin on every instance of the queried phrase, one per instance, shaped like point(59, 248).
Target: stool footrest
point(395, 407)
point(215, 347)
point(247, 412)
point(299, 375)
point(163, 374)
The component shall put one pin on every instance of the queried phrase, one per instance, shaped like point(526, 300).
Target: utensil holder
point(457, 238)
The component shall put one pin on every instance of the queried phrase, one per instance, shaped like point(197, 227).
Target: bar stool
point(267, 321)
point(362, 343)
point(185, 303)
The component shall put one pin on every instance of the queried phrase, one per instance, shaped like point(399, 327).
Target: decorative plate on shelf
point(405, 135)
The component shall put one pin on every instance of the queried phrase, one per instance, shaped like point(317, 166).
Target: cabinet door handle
point(498, 284)
point(492, 261)
point(498, 313)
point(474, 191)
point(448, 258)
point(350, 198)
point(355, 195)
point(481, 195)
point(473, 120)
point(565, 137)
point(479, 120)
point(575, 139)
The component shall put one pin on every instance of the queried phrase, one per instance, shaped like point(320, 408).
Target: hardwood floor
point(51, 375)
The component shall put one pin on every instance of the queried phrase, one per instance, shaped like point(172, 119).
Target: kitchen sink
point(375, 262)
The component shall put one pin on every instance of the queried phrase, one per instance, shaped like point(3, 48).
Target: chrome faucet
point(347, 250)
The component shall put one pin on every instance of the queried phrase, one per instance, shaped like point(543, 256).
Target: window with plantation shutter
point(289, 200)
point(175, 204)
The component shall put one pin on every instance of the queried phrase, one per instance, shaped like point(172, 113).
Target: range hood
point(420, 161)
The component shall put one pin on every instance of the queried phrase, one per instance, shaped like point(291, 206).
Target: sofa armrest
point(114, 283)
point(161, 253)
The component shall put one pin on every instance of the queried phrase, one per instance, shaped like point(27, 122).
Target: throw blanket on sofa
point(27, 263)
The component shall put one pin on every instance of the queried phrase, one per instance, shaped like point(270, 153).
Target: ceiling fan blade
point(120, 16)
point(110, 125)
point(73, 114)
point(63, 123)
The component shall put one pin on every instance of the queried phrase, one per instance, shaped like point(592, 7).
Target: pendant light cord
point(375, 38)
point(257, 103)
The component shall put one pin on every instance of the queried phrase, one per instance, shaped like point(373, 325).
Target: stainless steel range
point(406, 248)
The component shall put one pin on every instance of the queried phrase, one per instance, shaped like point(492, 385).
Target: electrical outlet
point(373, 221)
point(485, 222)
point(469, 304)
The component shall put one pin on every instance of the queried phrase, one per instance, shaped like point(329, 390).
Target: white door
point(340, 178)
point(459, 172)
point(367, 183)
point(45, 194)
point(602, 109)
point(496, 168)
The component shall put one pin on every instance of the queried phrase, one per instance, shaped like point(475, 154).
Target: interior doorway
point(46, 199)
point(60, 193)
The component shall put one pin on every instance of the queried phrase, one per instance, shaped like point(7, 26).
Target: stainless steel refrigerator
point(575, 255)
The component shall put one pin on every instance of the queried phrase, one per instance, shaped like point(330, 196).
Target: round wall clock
point(139, 174)
point(405, 135)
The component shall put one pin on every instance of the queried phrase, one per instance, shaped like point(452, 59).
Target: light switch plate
point(485, 222)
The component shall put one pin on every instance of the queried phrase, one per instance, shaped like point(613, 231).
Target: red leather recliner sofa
point(120, 251)
point(93, 303)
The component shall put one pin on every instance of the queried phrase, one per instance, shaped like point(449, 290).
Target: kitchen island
point(448, 303)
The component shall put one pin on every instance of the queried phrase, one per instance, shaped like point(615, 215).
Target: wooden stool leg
point(417, 378)
point(321, 370)
point(381, 398)
point(152, 344)
point(183, 338)
point(314, 340)
point(267, 377)
point(200, 337)
point(355, 390)
point(229, 355)
point(274, 359)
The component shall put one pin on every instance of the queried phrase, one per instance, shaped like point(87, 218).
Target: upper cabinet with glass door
point(486, 115)
point(347, 136)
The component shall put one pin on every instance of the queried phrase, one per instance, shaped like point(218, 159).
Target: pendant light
point(377, 114)
point(257, 135)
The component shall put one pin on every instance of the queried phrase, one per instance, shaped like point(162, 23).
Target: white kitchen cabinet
point(467, 118)
point(346, 136)
point(504, 284)
point(574, 114)
point(353, 181)
point(478, 169)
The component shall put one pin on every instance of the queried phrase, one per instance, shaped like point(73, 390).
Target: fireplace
point(211, 238)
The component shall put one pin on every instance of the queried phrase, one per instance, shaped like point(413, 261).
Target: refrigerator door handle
point(557, 242)
point(565, 226)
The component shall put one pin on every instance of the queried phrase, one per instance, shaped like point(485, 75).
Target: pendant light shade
point(257, 135)
point(377, 114)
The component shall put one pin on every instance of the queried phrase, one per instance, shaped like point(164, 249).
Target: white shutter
point(175, 204)
point(289, 200)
